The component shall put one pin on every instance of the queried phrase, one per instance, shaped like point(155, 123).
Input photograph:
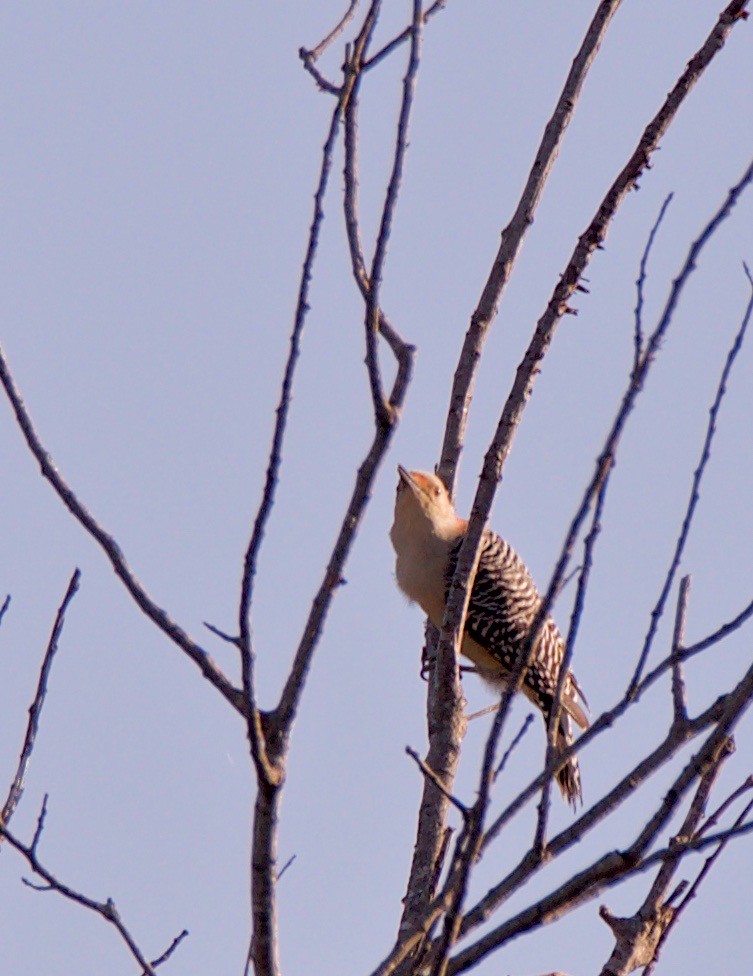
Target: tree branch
point(512, 240)
point(111, 549)
point(35, 710)
point(106, 909)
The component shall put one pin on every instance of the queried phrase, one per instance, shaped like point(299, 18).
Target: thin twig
point(35, 709)
point(433, 778)
point(718, 635)
point(156, 963)
point(229, 638)
point(584, 575)
point(285, 866)
point(316, 52)
point(40, 825)
point(388, 48)
point(245, 640)
point(713, 819)
point(658, 610)
point(4, 607)
point(381, 408)
point(513, 745)
point(641, 280)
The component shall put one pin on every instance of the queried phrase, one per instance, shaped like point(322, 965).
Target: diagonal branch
point(316, 52)
point(35, 710)
point(111, 549)
point(637, 939)
point(106, 909)
point(403, 36)
point(617, 865)
point(512, 240)
point(607, 456)
point(658, 610)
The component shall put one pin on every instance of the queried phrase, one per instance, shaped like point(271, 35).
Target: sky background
point(158, 163)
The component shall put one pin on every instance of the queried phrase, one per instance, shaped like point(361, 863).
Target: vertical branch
point(641, 280)
point(381, 408)
point(245, 641)
point(264, 950)
point(556, 712)
point(679, 701)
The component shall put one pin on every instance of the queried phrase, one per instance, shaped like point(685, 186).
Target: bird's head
point(422, 501)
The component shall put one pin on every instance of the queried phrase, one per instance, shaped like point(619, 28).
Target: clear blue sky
point(158, 164)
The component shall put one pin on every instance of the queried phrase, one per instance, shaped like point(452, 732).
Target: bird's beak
point(404, 475)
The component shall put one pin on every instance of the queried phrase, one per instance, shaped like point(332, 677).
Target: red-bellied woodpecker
point(427, 535)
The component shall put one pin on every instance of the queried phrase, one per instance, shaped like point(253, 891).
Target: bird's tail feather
point(568, 776)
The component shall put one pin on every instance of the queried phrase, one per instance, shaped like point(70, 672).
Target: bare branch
point(616, 865)
point(156, 963)
point(713, 819)
point(658, 610)
point(676, 738)
point(385, 425)
point(228, 638)
point(637, 939)
point(316, 52)
point(264, 950)
point(40, 824)
point(265, 766)
point(702, 874)
point(513, 745)
point(512, 240)
point(35, 710)
point(718, 635)
point(640, 282)
point(584, 576)
point(679, 698)
point(373, 61)
point(381, 408)
point(111, 549)
point(106, 909)
point(4, 607)
point(433, 778)
point(272, 730)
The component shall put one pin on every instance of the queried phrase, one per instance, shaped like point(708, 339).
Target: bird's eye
point(437, 491)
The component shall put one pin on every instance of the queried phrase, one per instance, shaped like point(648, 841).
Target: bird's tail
point(568, 776)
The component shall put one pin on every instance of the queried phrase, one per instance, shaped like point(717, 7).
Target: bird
point(427, 534)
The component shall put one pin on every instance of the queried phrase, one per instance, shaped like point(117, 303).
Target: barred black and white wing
point(501, 611)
